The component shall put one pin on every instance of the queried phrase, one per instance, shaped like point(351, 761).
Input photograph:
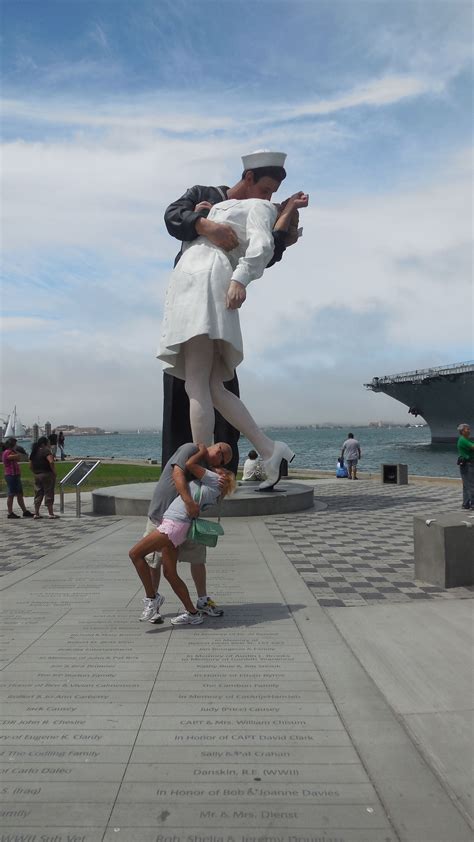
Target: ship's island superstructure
point(443, 396)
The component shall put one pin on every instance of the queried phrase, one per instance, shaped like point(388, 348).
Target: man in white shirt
point(351, 454)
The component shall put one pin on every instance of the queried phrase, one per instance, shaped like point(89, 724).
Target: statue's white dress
point(196, 295)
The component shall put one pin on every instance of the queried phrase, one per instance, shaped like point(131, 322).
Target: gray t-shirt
point(350, 449)
point(205, 491)
point(165, 491)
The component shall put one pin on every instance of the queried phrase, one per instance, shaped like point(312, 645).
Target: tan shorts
point(189, 551)
point(44, 488)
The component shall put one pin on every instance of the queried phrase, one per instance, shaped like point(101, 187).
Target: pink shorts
point(176, 530)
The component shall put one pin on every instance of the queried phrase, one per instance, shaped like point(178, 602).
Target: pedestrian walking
point(53, 442)
point(61, 443)
point(350, 455)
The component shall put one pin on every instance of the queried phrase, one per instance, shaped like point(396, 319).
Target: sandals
point(50, 517)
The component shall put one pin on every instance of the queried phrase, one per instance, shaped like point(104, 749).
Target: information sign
point(77, 477)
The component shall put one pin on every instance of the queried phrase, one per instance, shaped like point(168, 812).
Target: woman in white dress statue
point(201, 340)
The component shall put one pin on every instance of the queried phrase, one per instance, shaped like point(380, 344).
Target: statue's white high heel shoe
point(273, 465)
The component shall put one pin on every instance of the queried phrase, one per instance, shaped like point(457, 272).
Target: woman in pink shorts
point(173, 531)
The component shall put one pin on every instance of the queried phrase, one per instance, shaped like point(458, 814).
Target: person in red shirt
point(10, 459)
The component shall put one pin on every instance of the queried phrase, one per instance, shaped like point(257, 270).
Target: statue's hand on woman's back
point(220, 234)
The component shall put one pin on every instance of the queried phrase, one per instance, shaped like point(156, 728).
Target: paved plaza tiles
point(305, 714)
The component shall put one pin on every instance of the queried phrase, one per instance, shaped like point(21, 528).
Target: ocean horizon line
point(325, 425)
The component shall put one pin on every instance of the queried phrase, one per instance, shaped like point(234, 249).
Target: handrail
point(422, 374)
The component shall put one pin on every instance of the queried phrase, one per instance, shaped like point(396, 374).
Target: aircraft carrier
point(443, 396)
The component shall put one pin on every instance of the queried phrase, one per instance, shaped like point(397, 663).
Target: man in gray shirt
point(351, 454)
point(173, 482)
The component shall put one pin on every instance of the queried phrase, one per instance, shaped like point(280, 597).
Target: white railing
point(422, 374)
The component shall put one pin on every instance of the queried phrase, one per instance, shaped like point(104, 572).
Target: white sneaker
point(187, 619)
point(156, 617)
point(209, 607)
point(151, 609)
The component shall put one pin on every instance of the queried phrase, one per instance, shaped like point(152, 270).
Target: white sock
point(202, 600)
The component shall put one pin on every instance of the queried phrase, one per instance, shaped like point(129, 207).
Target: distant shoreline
point(372, 425)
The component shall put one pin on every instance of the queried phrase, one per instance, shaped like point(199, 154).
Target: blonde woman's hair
point(230, 483)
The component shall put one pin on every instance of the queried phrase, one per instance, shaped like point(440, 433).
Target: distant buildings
point(67, 429)
point(72, 430)
point(387, 424)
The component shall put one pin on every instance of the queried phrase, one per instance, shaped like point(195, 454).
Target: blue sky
point(112, 108)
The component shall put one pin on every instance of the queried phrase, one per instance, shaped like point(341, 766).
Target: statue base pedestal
point(134, 500)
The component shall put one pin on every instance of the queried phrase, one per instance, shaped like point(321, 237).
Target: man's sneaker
point(187, 619)
point(26, 513)
point(151, 608)
point(13, 516)
point(209, 607)
point(156, 616)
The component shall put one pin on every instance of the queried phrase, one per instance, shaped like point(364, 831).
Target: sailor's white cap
point(263, 158)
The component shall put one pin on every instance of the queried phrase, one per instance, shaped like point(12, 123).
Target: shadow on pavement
point(237, 616)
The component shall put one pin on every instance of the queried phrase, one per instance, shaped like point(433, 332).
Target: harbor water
point(314, 448)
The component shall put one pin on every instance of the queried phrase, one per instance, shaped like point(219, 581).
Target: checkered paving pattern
point(26, 540)
point(359, 551)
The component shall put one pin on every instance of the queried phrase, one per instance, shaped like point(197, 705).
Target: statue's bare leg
point(206, 391)
point(234, 411)
point(198, 360)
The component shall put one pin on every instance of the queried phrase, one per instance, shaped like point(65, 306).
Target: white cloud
point(149, 113)
point(91, 194)
point(145, 113)
point(437, 44)
point(21, 323)
point(98, 36)
point(83, 384)
point(358, 296)
point(88, 259)
point(374, 253)
point(378, 92)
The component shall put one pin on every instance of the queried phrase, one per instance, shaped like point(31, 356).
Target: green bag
point(204, 531)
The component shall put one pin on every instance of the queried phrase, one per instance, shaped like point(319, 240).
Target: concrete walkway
point(283, 720)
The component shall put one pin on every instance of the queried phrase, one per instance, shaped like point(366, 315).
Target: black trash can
point(394, 474)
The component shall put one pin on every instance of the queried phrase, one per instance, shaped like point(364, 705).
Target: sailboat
point(14, 427)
